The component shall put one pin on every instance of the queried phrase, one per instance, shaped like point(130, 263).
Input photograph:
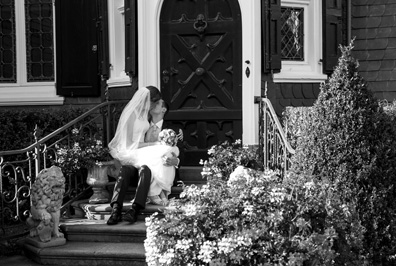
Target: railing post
point(37, 155)
point(265, 133)
point(108, 119)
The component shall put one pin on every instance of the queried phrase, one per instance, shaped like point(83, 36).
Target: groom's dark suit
point(141, 178)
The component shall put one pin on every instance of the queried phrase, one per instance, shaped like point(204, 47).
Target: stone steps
point(93, 242)
point(90, 241)
point(89, 253)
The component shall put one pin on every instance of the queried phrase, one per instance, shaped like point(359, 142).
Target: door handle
point(165, 76)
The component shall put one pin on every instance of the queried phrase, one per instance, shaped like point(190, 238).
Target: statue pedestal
point(54, 242)
point(98, 179)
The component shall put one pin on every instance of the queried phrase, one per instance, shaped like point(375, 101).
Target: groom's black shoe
point(132, 214)
point(115, 216)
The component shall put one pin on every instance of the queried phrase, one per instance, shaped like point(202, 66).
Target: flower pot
point(98, 179)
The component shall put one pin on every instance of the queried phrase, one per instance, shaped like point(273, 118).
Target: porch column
point(251, 56)
point(148, 42)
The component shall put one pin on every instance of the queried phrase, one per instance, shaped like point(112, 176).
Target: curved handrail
point(275, 149)
point(278, 125)
point(22, 172)
point(61, 129)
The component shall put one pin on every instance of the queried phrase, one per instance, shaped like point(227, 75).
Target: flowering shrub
point(254, 218)
point(225, 157)
point(84, 152)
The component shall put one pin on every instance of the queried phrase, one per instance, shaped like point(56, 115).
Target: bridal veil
point(130, 129)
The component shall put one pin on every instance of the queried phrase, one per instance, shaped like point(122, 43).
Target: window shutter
point(271, 34)
point(131, 58)
point(104, 40)
point(332, 34)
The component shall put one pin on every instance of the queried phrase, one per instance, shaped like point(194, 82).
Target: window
point(7, 42)
point(39, 40)
point(27, 47)
point(301, 41)
point(292, 33)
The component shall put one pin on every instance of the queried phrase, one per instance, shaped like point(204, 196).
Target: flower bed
point(252, 217)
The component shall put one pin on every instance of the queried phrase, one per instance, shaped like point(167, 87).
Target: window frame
point(23, 92)
point(310, 69)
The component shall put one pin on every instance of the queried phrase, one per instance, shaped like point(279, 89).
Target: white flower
point(238, 141)
point(239, 172)
point(256, 191)
point(226, 245)
point(206, 251)
point(190, 210)
point(183, 244)
point(248, 209)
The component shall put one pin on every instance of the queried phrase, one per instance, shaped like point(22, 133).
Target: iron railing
point(19, 168)
point(274, 146)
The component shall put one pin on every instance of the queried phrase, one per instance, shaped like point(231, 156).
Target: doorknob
point(94, 48)
point(165, 76)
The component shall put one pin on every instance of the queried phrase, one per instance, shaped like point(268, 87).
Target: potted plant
point(86, 152)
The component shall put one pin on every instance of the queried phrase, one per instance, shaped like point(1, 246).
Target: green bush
point(349, 141)
point(17, 126)
point(295, 121)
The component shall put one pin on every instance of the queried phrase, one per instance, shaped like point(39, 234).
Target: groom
point(130, 175)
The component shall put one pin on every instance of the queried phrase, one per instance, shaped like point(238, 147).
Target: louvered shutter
point(271, 34)
point(131, 48)
point(104, 39)
point(332, 34)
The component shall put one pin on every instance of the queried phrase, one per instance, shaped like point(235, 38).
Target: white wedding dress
point(162, 175)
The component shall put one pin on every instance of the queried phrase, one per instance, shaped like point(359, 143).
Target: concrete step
point(98, 231)
point(89, 253)
point(191, 175)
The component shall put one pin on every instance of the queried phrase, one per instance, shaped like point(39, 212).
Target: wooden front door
point(201, 76)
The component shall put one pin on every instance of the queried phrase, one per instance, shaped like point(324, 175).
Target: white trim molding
point(20, 95)
point(251, 57)
point(118, 77)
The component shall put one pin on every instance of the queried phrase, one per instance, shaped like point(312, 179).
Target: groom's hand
point(171, 161)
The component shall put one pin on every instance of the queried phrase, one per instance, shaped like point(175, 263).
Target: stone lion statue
point(47, 195)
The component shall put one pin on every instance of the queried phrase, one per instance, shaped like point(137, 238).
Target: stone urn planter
point(98, 179)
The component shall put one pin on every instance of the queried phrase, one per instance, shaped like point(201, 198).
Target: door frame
point(149, 57)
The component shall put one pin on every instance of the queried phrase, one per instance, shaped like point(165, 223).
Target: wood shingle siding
point(374, 25)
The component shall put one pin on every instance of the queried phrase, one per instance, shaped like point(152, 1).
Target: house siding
point(374, 29)
point(291, 94)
